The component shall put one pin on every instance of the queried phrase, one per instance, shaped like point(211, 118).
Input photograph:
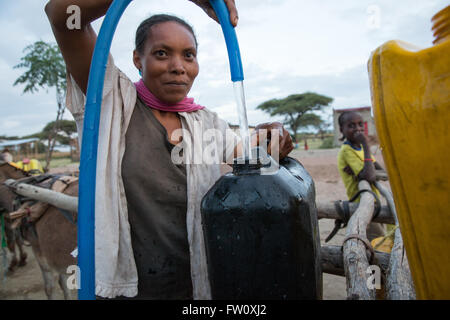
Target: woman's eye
point(190, 55)
point(160, 53)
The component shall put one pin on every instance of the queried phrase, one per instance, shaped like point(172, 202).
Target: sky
point(287, 47)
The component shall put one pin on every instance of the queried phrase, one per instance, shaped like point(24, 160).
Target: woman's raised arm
point(76, 42)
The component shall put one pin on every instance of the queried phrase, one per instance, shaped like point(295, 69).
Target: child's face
point(353, 126)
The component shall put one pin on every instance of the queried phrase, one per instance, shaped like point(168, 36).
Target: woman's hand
point(206, 6)
point(285, 144)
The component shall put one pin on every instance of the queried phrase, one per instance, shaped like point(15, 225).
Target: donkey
point(13, 237)
point(52, 237)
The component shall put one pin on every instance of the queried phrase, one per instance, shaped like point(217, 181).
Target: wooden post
point(333, 262)
point(399, 284)
point(355, 254)
point(36, 149)
point(327, 210)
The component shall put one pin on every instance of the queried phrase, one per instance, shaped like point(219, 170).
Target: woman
point(148, 222)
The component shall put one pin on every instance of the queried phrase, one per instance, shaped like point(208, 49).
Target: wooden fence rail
point(351, 260)
point(332, 260)
point(327, 210)
point(356, 257)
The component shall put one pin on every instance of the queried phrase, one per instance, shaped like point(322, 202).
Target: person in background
point(355, 162)
point(7, 156)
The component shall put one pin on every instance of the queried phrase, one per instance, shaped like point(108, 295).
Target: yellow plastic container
point(385, 246)
point(411, 99)
point(33, 166)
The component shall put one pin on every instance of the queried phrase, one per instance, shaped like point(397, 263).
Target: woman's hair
point(145, 26)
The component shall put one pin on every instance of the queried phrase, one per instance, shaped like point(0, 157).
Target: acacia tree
point(297, 109)
point(66, 130)
point(45, 69)
point(322, 128)
point(309, 119)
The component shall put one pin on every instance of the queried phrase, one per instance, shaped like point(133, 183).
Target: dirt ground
point(26, 282)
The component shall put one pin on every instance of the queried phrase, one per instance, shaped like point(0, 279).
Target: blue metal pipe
point(88, 161)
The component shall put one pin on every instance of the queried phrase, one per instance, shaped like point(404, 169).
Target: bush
point(327, 143)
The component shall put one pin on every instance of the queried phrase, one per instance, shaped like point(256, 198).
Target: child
point(355, 162)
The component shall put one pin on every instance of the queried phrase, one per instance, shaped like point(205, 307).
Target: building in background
point(369, 124)
point(21, 147)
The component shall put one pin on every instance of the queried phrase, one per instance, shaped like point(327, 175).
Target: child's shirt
point(354, 158)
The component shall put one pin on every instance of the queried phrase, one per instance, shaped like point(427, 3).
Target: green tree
point(297, 109)
point(45, 69)
point(4, 137)
point(67, 129)
point(322, 128)
point(310, 119)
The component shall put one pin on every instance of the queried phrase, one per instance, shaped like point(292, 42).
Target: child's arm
point(368, 171)
point(379, 172)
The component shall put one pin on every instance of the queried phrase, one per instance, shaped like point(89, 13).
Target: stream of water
point(243, 122)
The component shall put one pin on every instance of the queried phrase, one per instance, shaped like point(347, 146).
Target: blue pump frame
point(88, 161)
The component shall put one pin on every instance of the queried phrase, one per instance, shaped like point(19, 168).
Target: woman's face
point(169, 61)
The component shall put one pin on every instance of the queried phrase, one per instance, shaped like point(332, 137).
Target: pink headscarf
point(185, 105)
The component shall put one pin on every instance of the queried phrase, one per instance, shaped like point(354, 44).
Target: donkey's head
point(8, 171)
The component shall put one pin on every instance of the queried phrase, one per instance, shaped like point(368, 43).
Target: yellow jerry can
point(32, 166)
point(410, 90)
point(35, 167)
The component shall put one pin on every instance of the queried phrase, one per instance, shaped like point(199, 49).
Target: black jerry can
point(261, 234)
